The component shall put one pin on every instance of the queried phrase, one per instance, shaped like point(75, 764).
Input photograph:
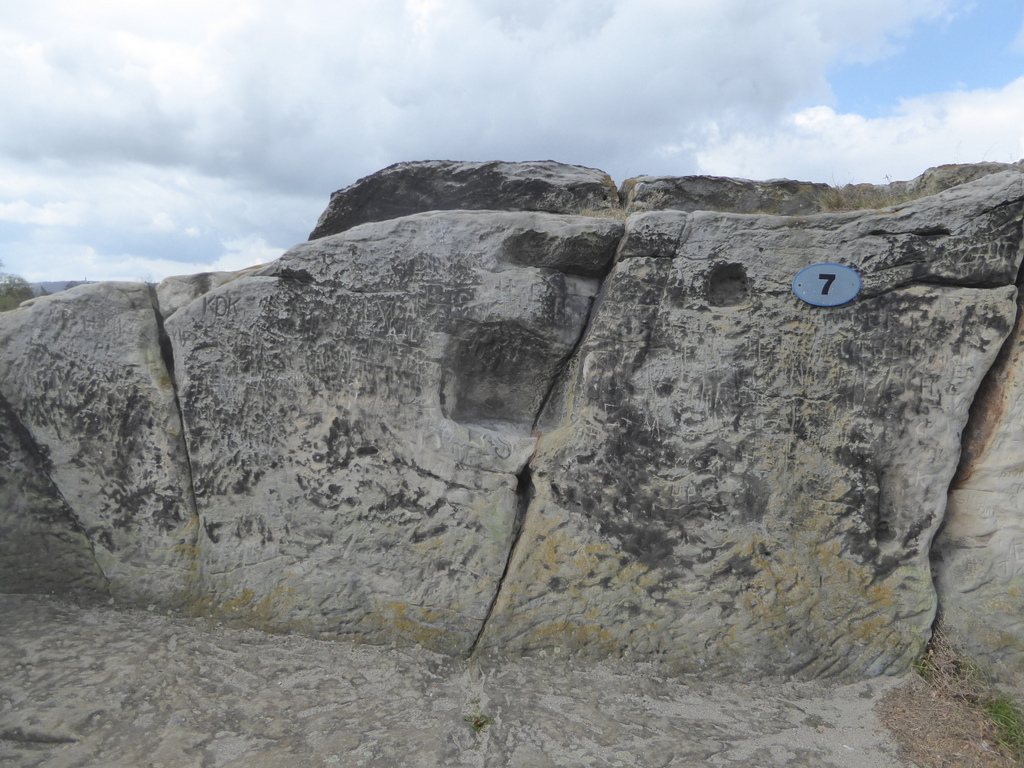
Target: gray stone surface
point(455, 430)
point(179, 291)
point(716, 193)
point(978, 555)
point(95, 687)
point(359, 412)
point(440, 185)
point(792, 198)
point(42, 546)
point(743, 484)
point(86, 385)
point(935, 180)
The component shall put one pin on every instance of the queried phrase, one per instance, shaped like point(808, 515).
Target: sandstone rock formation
point(979, 553)
point(407, 188)
point(715, 193)
point(89, 395)
point(357, 414)
point(791, 198)
point(528, 433)
point(742, 482)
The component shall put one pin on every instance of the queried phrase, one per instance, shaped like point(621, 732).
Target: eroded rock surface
point(407, 188)
point(979, 553)
point(716, 193)
point(42, 545)
point(97, 687)
point(90, 397)
point(456, 429)
point(746, 484)
point(359, 412)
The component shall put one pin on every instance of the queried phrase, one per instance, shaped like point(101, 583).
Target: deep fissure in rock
point(525, 492)
point(167, 355)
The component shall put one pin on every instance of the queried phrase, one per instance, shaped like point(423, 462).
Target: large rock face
point(742, 482)
point(357, 415)
point(528, 433)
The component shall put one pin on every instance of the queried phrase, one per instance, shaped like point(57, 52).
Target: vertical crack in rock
point(525, 490)
point(524, 495)
point(558, 379)
point(167, 355)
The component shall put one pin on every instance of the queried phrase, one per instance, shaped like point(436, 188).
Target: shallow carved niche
point(728, 286)
point(496, 376)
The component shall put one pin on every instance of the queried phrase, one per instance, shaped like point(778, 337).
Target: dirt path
point(99, 687)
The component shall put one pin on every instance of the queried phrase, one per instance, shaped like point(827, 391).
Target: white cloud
point(193, 133)
point(48, 214)
point(307, 95)
point(244, 252)
point(817, 144)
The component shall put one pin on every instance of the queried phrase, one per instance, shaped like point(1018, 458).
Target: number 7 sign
point(826, 285)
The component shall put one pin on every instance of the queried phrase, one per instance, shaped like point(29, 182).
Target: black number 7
point(829, 279)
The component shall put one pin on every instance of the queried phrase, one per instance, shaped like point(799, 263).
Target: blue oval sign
point(826, 285)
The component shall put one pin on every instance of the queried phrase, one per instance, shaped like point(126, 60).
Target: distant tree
point(13, 290)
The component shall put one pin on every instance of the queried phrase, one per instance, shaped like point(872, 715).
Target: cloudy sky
point(141, 140)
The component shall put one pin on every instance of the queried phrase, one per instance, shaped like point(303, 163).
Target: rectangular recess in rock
point(743, 484)
point(357, 414)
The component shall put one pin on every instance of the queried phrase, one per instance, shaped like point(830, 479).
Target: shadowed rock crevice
point(728, 286)
point(525, 493)
point(491, 378)
point(167, 354)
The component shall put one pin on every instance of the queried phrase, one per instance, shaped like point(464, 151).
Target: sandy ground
point(94, 686)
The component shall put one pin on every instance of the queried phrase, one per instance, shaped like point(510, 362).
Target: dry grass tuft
point(858, 197)
point(654, 202)
point(943, 716)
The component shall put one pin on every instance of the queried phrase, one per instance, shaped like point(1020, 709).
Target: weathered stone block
point(978, 556)
point(42, 546)
point(83, 375)
point(406, 188)
point(359, 412)
point(745, 484)
point(716, 193)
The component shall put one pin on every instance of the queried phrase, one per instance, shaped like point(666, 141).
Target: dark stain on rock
point(211, 531)
point(728, 286)
point(418, 536)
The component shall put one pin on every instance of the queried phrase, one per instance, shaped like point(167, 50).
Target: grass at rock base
point(949, 715)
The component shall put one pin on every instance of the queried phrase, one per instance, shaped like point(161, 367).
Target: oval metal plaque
point(826, 285)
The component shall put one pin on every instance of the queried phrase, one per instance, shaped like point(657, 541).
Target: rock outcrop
point(407, 188)
point(742, 482)
point(716, 193)
point(357, 415)
point(90, 397)
point(979, 552)
point(528, 433)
